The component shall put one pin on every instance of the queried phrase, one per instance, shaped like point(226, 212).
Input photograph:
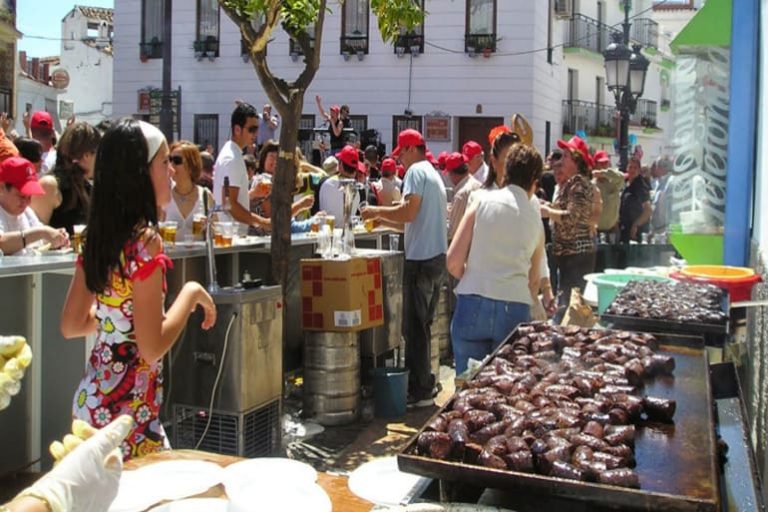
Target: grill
point(252, 434)
point(673, 475)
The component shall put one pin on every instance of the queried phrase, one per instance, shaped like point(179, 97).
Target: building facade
point(8, 37)
point(86, 56)
point(474, 63)
point(35, 90)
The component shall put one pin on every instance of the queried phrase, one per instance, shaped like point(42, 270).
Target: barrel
point(331, 377)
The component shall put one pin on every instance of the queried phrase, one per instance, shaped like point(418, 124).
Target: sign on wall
point(437, 127)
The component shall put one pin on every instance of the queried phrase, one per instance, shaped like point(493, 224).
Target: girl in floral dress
point(118, 288)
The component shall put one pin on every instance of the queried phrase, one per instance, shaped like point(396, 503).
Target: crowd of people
point(492, 224)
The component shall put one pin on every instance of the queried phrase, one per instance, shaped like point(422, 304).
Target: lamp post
point(625, 71)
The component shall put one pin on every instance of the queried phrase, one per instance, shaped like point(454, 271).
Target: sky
point(40, 22)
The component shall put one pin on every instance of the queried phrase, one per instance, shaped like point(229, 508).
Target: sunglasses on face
point(176, 160)
point(555, 156)
point(253, 129)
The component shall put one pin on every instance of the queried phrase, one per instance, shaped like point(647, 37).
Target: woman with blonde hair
point(187, 198)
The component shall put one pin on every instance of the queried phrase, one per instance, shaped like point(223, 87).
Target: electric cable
point(216, 382)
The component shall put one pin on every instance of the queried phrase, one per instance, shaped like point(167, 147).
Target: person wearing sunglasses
point(188, 200)
point(230, 164)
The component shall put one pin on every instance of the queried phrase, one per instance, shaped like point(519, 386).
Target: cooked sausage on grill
point(490, 460)
point(521, 461)
point(477, 419)
point(621, 477)
point(594, 429)
point(562, 469)
point(435, 444)
point(659, 409)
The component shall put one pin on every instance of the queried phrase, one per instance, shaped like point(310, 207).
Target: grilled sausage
point(619, 477)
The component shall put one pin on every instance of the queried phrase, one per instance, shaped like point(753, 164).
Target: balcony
point(479, 43)
point(595, 119)
point(354, 44)
point(208, 47)
point(151, 49)
point(645, 114)
point(409, 43)
point(588, 33)
point(645, 31)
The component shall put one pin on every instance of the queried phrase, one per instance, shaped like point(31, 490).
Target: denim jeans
point(421, 291)
point(480, 324)
point(571, 270)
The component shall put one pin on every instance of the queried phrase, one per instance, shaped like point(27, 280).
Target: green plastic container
point(609, 285)
point(695, 248)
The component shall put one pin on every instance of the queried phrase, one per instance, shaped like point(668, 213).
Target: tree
point(294, 17)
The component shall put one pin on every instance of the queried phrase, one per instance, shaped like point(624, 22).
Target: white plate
point(380, 482)
point(194, 505)
point(269, 471)
point(285, 497)
point(167, 480)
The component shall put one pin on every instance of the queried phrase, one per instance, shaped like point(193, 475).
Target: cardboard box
point(341, 296)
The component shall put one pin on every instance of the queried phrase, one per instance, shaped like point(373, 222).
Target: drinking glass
point(394, 243)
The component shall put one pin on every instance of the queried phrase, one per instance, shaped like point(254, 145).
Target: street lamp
point(625, 71)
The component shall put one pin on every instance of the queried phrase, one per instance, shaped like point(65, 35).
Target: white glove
point(15, 357)
point(89, 477)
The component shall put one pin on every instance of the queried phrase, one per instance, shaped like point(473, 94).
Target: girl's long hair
point(122, 203)
point(77, 140)
point(499, 145)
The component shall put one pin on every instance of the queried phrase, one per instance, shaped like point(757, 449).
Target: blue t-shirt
point(427, 236)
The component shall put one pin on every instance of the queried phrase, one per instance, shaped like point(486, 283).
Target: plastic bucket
point(697, 249)
point(722, 272)
point(738, 288)
point(609, 285)
point(390, 392)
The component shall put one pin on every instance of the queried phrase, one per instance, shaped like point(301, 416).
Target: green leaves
point(394, 15)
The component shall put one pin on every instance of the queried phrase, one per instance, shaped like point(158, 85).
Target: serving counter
point(34, 289)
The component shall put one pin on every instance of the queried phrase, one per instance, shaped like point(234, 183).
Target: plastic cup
point(331, 221)
point(198, 225)
point(228, 235)
point(77, 238)
point(368, 225)
point(168, 231)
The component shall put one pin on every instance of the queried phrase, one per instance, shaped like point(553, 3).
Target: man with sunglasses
point(230, 163)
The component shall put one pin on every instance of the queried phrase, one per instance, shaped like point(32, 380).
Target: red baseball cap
point(20, 173)
point(495, 131)
point(349, 156)
point(409, 137)
point(388, 166)
point(471, 149)
point(335, 108)
point(578, 145)
point(431, 158)
point(454, 161)
point(601, 157)
point(441, 158)
point(400, 170)
point(41, 120)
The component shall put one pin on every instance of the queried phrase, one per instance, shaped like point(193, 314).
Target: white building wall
point(90, 71)
point(440, 80)
point(34, 93)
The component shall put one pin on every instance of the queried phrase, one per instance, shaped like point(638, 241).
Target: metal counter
point(35, 288)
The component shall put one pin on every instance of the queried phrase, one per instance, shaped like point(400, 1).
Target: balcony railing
point(479, 43)
point(646, 32)
point(595, 119)
point(645, 114)
point(588, 33)
point(409, 43)
point(151, 49)
point(353, 44)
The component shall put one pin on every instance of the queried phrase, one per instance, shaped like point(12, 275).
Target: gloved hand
point(88, 478)
point(81, 431)
point(15, 357)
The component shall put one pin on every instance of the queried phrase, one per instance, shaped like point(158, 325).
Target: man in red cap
point(464, 184)
point(331, 196)
point(338, 120)
point(475, 156)
point(41, 128)
point(423, 211)
point(19, 226)
point(609, 182)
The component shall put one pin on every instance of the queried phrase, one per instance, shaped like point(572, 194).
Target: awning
point(711, 26)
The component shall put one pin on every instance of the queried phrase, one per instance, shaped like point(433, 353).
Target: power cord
point(216, 382)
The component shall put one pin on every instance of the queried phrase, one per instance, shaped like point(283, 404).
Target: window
point(481, 26)
point(207, 130)
point(207, 40)
point(152, 16)
point(400, 123)
point(411, 41)
point(293, 46)
point(354, 27)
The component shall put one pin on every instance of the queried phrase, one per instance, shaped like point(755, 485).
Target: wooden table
point(335, 485)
